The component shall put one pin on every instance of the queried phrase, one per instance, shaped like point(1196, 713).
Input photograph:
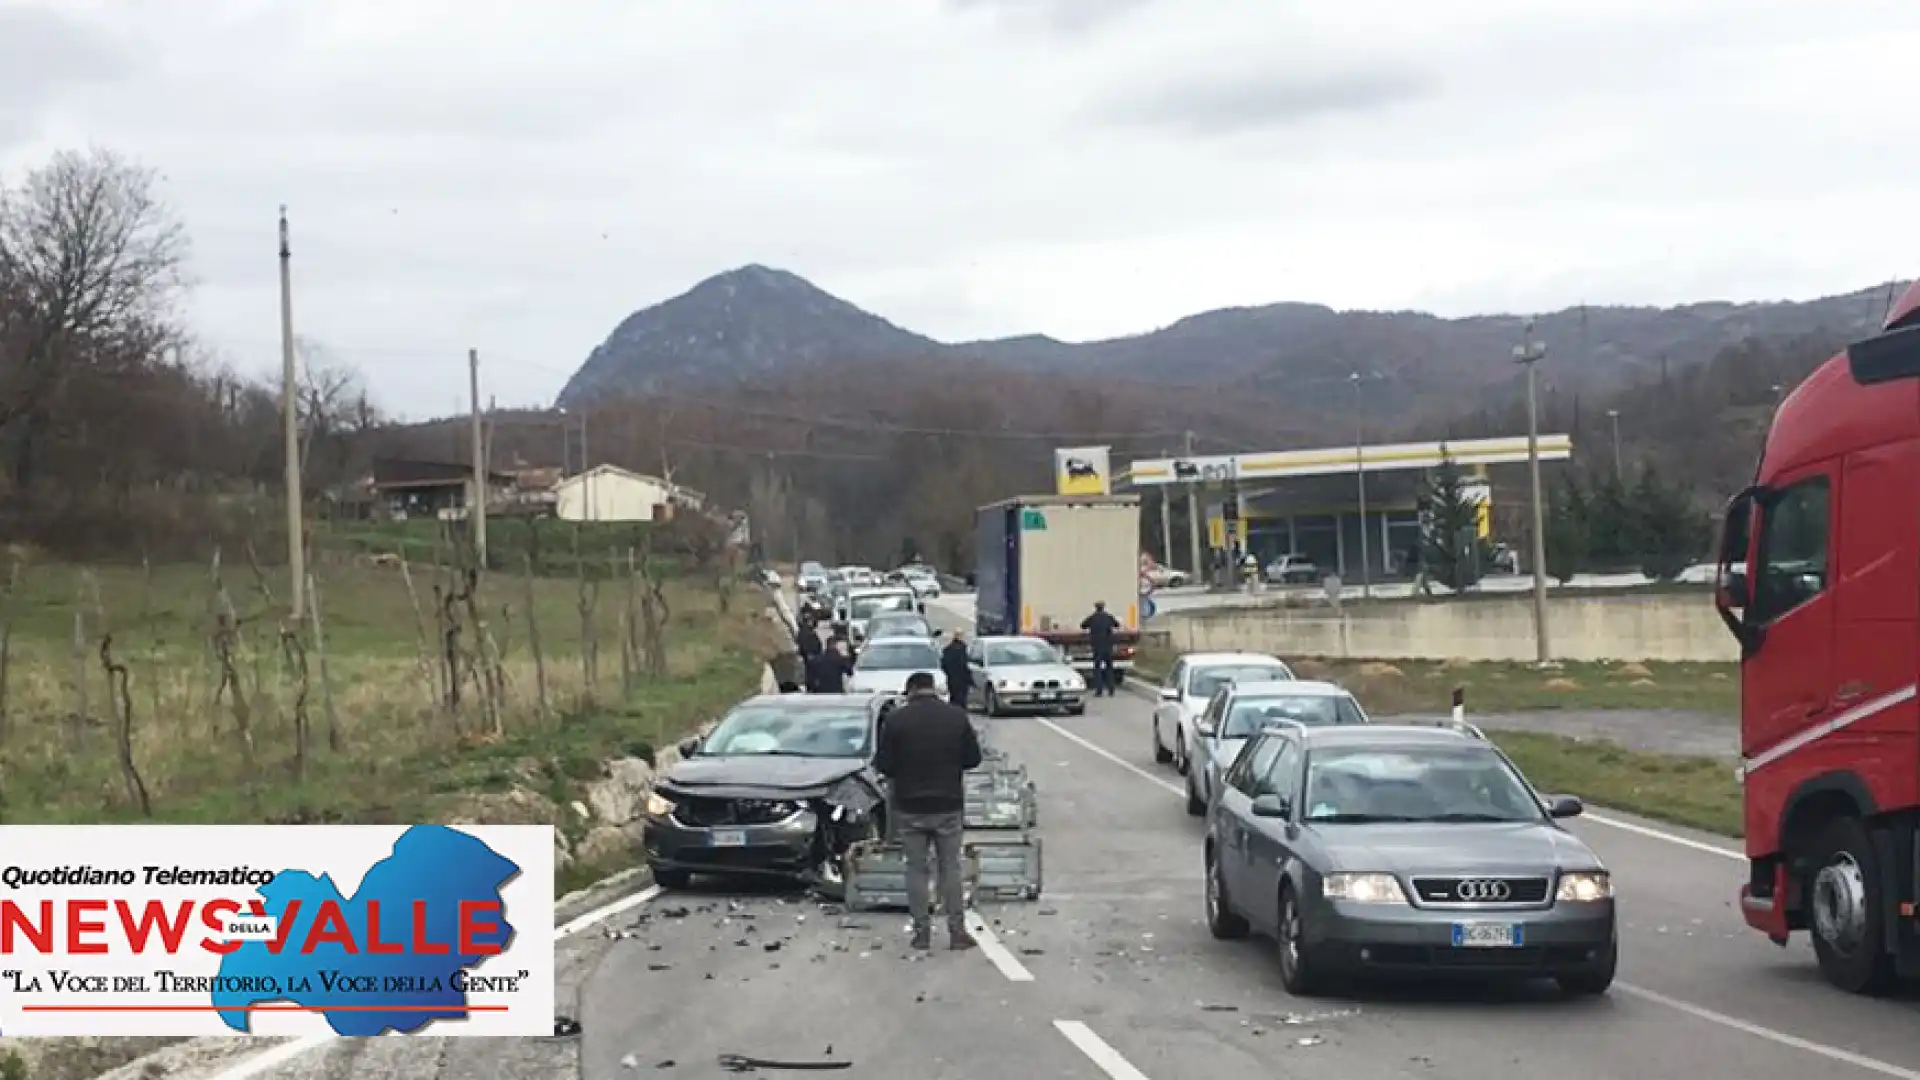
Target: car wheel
point(992, 705)
point(1180, 763)
point(1222, 921)
point(1196, 807)
point(1593, 981)
point(669, 878)
point(1297, 972)
point(1844, 910)
point(1076, 710)
point(1161, 755)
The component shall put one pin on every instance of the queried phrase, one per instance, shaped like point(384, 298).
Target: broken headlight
point(658, 805)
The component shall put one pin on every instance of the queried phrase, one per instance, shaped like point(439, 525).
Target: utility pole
point(478, 511)
point(290, 417)
point(1166, 522)
point(1528, 354)
point(1193, 518)
point(1360, 473)
point(1614, 416)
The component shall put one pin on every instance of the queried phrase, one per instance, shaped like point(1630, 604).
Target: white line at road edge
point(995, 951)
point(601, 914)
point(1831, 1053)
point(285, 1052)
point(1097, 1050)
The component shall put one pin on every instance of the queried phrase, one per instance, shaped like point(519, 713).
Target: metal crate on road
point(1001, 796)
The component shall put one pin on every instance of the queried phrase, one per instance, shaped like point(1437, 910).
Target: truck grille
point(1480, 891)
point(701, 812)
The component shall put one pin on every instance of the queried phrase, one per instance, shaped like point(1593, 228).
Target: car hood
point(757, 772)
point(885, 682)
point(1029, 673)
point(1455, 848)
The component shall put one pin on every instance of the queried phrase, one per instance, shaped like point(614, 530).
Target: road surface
point(1113, 974)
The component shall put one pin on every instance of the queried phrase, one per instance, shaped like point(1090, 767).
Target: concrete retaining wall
point(1658, 626)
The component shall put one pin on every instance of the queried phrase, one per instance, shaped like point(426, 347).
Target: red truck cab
point(1820, 584)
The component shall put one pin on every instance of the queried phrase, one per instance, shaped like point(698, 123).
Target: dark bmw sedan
point(1392, 848)
point(782, 785)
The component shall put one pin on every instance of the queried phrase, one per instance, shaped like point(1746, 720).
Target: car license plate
point(1047, 695)
point(738, 838)
point(1486, 936)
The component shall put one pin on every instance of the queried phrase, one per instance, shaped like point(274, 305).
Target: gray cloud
point(1218, 106)
point(46, 55)
point(1069, 18)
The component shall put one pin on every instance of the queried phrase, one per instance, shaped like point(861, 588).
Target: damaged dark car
point(782, 786)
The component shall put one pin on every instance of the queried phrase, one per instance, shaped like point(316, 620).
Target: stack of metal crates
point(1000, 858)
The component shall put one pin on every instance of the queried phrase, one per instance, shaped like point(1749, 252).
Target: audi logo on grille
point(1483, 889)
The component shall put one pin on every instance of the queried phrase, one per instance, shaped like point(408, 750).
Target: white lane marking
point(285, 1052)
point(274, 1058)
point(608, 911)
point(1656, 834)
point(1136, 770)
point(1831, 1053)
point(996, 953)
point(1097, 1050)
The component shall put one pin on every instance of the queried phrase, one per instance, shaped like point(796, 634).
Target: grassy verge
point(1697, 792)
point(362, 730)
point(1426, 686)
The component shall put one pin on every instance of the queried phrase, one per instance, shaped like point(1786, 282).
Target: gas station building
point(1308, 502)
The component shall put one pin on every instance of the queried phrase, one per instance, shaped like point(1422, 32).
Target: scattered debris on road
point(739, 1063)
point(564, 1026)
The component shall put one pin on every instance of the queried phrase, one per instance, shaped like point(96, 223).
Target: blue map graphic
point(431, 863)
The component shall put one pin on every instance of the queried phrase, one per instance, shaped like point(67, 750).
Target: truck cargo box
point(1043, 561)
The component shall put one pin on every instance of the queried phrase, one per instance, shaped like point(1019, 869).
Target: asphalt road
point(1112, 973)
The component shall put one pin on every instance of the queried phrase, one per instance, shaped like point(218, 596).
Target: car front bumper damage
point(807, 843)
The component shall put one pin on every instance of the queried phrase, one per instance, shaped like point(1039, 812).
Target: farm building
point(610, 493)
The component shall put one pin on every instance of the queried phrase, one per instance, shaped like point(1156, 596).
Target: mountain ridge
point(758, 320)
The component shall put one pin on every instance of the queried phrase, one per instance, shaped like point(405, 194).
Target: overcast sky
point(519, 176)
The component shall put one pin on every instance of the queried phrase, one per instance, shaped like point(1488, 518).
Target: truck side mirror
point(1735, 592)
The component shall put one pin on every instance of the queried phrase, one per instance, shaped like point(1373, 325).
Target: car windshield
point(812, 568)
point(1208, 679)
point(1020, 653)
point(897, 625)
point(1427, 783)
point(789, 732)
point(1249, 714)
point(899, 656)
point(871, 605)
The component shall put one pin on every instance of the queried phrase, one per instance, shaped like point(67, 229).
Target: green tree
point(1452, 551)
point(1568, 528)
point(1671, 530)
point(1613, 540)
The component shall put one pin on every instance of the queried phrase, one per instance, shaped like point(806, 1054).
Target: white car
point(1022, 673)
point(885, 663)
point(1292, 570)
point(922, 580)
point(1239, 709)
point(1190, 685)
point(864, 603)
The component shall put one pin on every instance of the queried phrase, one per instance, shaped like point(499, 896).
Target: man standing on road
point(926, 748)
point(953, 664)
point(1100, 628)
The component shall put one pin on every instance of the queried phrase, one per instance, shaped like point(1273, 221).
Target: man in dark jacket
point(953, 664)
point(1100, 628)
point(827, 673)
point(808, 639)
point(926, 748)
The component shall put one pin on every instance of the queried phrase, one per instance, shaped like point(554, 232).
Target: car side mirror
point(1169, 693)
point(1272, 806)
point(1205, 729)
point(1564, 806)
point(689, 746)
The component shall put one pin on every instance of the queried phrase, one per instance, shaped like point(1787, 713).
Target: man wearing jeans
point(926, 748)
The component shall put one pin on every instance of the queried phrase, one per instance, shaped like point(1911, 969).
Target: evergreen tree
point(1613, 540)
point(1452, 551)
point(1671, 530)
point(1568, 528)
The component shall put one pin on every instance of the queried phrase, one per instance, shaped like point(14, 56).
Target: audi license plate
point(1486, 936)
point(738, 838)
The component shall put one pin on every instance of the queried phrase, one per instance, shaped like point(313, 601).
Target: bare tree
point(91, 262)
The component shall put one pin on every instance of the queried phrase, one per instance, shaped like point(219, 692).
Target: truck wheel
point(1844, 910)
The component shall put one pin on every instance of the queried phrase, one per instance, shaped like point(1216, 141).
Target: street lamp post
point(1528, 354)
point(1614, 415)
point(1360, 479)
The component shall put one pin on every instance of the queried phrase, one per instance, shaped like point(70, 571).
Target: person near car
point(808, 639)
point(827, 673)
point(926, 748)
point(1100, 627)
point(953, 664)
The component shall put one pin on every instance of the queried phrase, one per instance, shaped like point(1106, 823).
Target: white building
point(610, 493)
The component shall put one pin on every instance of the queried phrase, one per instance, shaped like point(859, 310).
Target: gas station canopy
point(1333, 461)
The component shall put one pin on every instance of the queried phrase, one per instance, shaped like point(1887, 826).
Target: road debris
point(564, 1026)
point(740, 1063)
point(1309, 1040)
